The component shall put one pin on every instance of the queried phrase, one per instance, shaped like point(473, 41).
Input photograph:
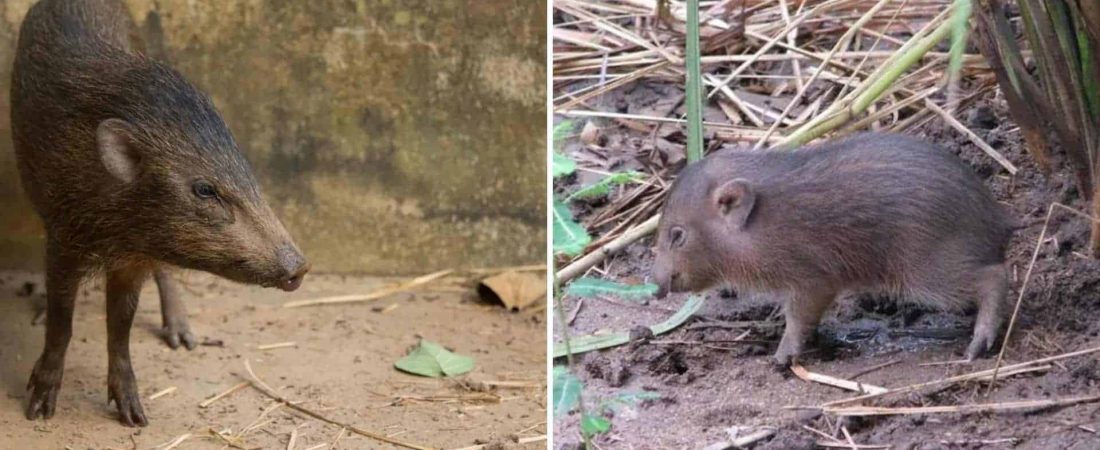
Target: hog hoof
point(981, 345)
point(122, 390)
point(783, 359)
point(789, 348)
point(175, 335)
point(43, 388)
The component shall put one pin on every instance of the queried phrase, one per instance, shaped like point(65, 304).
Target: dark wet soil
point(707, 388)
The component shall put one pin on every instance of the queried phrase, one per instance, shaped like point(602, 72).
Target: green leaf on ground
point(628, 399)
point(566, 389)
point(561, 132)
point(589, 343)
point(570, 237)
point(592, 425)
point(562, 165)
point(603, 187)
point(592, 287)
point(432, 360)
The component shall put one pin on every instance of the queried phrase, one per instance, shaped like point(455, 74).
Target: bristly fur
point(131, 168)
point(77, 65)
point(873, 213)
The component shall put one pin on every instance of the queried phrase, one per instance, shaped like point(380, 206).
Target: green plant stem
point(559, 311)
point(877, 84)
point(693, 96)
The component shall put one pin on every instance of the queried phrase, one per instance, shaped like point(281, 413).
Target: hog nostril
point(293, 266)
point(295, 280)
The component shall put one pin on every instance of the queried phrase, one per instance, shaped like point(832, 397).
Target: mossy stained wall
point(391, 136)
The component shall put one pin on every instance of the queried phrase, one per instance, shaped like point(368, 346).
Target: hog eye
point(676, 237)
point(203, 189)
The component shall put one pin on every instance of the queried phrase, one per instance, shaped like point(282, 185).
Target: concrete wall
point(392, 136)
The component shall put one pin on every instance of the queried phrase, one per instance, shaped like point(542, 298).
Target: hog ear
point(114, 140)
point(735, 200)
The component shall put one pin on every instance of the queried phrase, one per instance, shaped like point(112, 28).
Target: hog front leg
point(123, 290)
point(63, 276)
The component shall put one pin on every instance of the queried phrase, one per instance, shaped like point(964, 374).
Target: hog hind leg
point(177, 329)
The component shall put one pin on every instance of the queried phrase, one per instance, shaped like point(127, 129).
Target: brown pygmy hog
point(130, 168)
point(874, 213)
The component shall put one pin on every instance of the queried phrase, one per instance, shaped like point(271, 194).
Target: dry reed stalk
point(892, 78)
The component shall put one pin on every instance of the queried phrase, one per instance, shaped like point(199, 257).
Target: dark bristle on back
point(876, 213)
point(132, 171)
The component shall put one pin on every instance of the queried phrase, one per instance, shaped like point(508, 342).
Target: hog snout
point(293, 266)
point(664, 278)
point(670, 284)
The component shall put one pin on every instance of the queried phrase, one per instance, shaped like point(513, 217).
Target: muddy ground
point(705, 389)
point(341, 366)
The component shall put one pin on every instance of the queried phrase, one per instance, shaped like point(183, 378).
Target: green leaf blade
point(603, 187)
point(433, 360)
point(615, 403)
point(592, 287)
point(562, 165)
point(590, 343)
point(566, 390)
point(592, 425)
point(570, 237)
point(561, 132)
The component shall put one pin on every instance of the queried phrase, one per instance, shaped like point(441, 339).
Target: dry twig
point(856, 386)
point(381, 293)
point(259, 385)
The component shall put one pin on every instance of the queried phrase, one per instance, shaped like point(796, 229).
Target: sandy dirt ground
point(341, 366)
point(708, 384)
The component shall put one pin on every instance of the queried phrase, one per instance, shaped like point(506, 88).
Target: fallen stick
point(293, 439)
point(586, 262)
point(752, 133)
point(847, 435)
point(527, 268)
point(961, 409)
point(960, 378)
point(974, 138)
point(260, 421)
point(743, 441)
point(259, 385)
point(1008, 373)
point(275, 346)
point(953, 362)
point(211, 400)
point(841, 444)
point(384, 292)
point(850, 385)
point(228, 440)
point(874, 368)
point(162, 393)
point(176, 442)
point(968, 442)
point(339, 435)
point(526, 440)
point(514, 384)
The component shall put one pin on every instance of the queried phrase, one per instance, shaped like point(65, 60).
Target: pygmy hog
point(874, 213)
point(131, 169)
